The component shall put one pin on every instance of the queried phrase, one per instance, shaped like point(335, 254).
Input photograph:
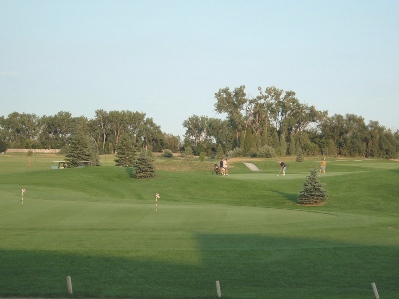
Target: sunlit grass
point(102, 227)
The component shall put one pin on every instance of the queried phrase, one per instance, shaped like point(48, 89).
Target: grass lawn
point(101, 227)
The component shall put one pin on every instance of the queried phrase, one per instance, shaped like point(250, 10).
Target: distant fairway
point(100, 227)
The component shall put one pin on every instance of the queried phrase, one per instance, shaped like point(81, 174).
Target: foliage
point(188, 153)
point(21, 130)
point(282, 148)
point(233, 104)
point(167, 153)
point(3, 147)
point(202, 156)
point(237, 152)
point(172, 142)
point(82, 148)
point(274, 116)
point(265, 151)
point(219, 152)
point(299, 155)
point(249, 143)
point(143, 166)
point(313, 191)
point(125, 152)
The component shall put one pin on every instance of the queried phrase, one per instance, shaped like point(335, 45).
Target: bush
point(299, 156)
point(266, 151)
point(202, 156)
point(167, 154)
point(237, 152)
point(313, 191)
point(3, 147)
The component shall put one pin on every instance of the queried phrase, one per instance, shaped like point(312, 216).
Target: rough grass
point(100, 227)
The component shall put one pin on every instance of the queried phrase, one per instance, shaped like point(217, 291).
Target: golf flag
point(157, 195)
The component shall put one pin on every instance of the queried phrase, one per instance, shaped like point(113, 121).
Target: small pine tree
point(299, 155)
point(313, 191)
point(202, 156)
point(82, 148)
point(143, 166)
point(188, 153)
point(125, 152)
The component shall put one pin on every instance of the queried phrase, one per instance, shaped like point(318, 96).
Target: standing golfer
point(221, 167)
point(282, 166)
point(323, 166)
point(226, 172)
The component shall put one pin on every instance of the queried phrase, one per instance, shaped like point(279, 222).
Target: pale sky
point(167, 59)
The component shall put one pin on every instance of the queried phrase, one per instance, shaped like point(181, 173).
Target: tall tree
point(233, 104)
point(57, 129)
point(196, 128)
point(249, 143)
point(21, 129)
point(100, 125)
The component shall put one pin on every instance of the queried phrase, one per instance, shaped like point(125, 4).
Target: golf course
point(115, 239)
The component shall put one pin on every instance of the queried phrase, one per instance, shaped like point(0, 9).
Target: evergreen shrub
point(313, 191)
point(143, 166)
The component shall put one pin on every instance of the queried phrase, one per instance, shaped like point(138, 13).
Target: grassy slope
point(100, 227)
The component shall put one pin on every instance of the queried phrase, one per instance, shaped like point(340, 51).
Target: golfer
point(226, 172)
point(282, 166)
point(323, 166)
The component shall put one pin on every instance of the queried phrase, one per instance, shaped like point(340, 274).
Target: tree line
point(106, 129)
point(275, 122)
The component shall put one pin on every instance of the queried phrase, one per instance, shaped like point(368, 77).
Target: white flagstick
point(218, 291)
point(156, 202)
point(69, 284)
point(23, 191)
point(375, 291)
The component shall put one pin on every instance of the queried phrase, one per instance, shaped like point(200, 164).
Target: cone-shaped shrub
point(313, 191)
point(143, 166)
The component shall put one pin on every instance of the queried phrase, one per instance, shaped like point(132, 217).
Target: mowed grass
point(101, 227)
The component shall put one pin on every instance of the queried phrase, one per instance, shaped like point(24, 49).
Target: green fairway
point(245, 230)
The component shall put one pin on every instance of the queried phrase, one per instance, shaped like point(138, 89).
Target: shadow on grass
point(247, 266)
point(288, 196)
point(129, 171)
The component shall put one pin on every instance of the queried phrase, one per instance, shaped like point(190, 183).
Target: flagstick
point(22, 197)
point(156, 202)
